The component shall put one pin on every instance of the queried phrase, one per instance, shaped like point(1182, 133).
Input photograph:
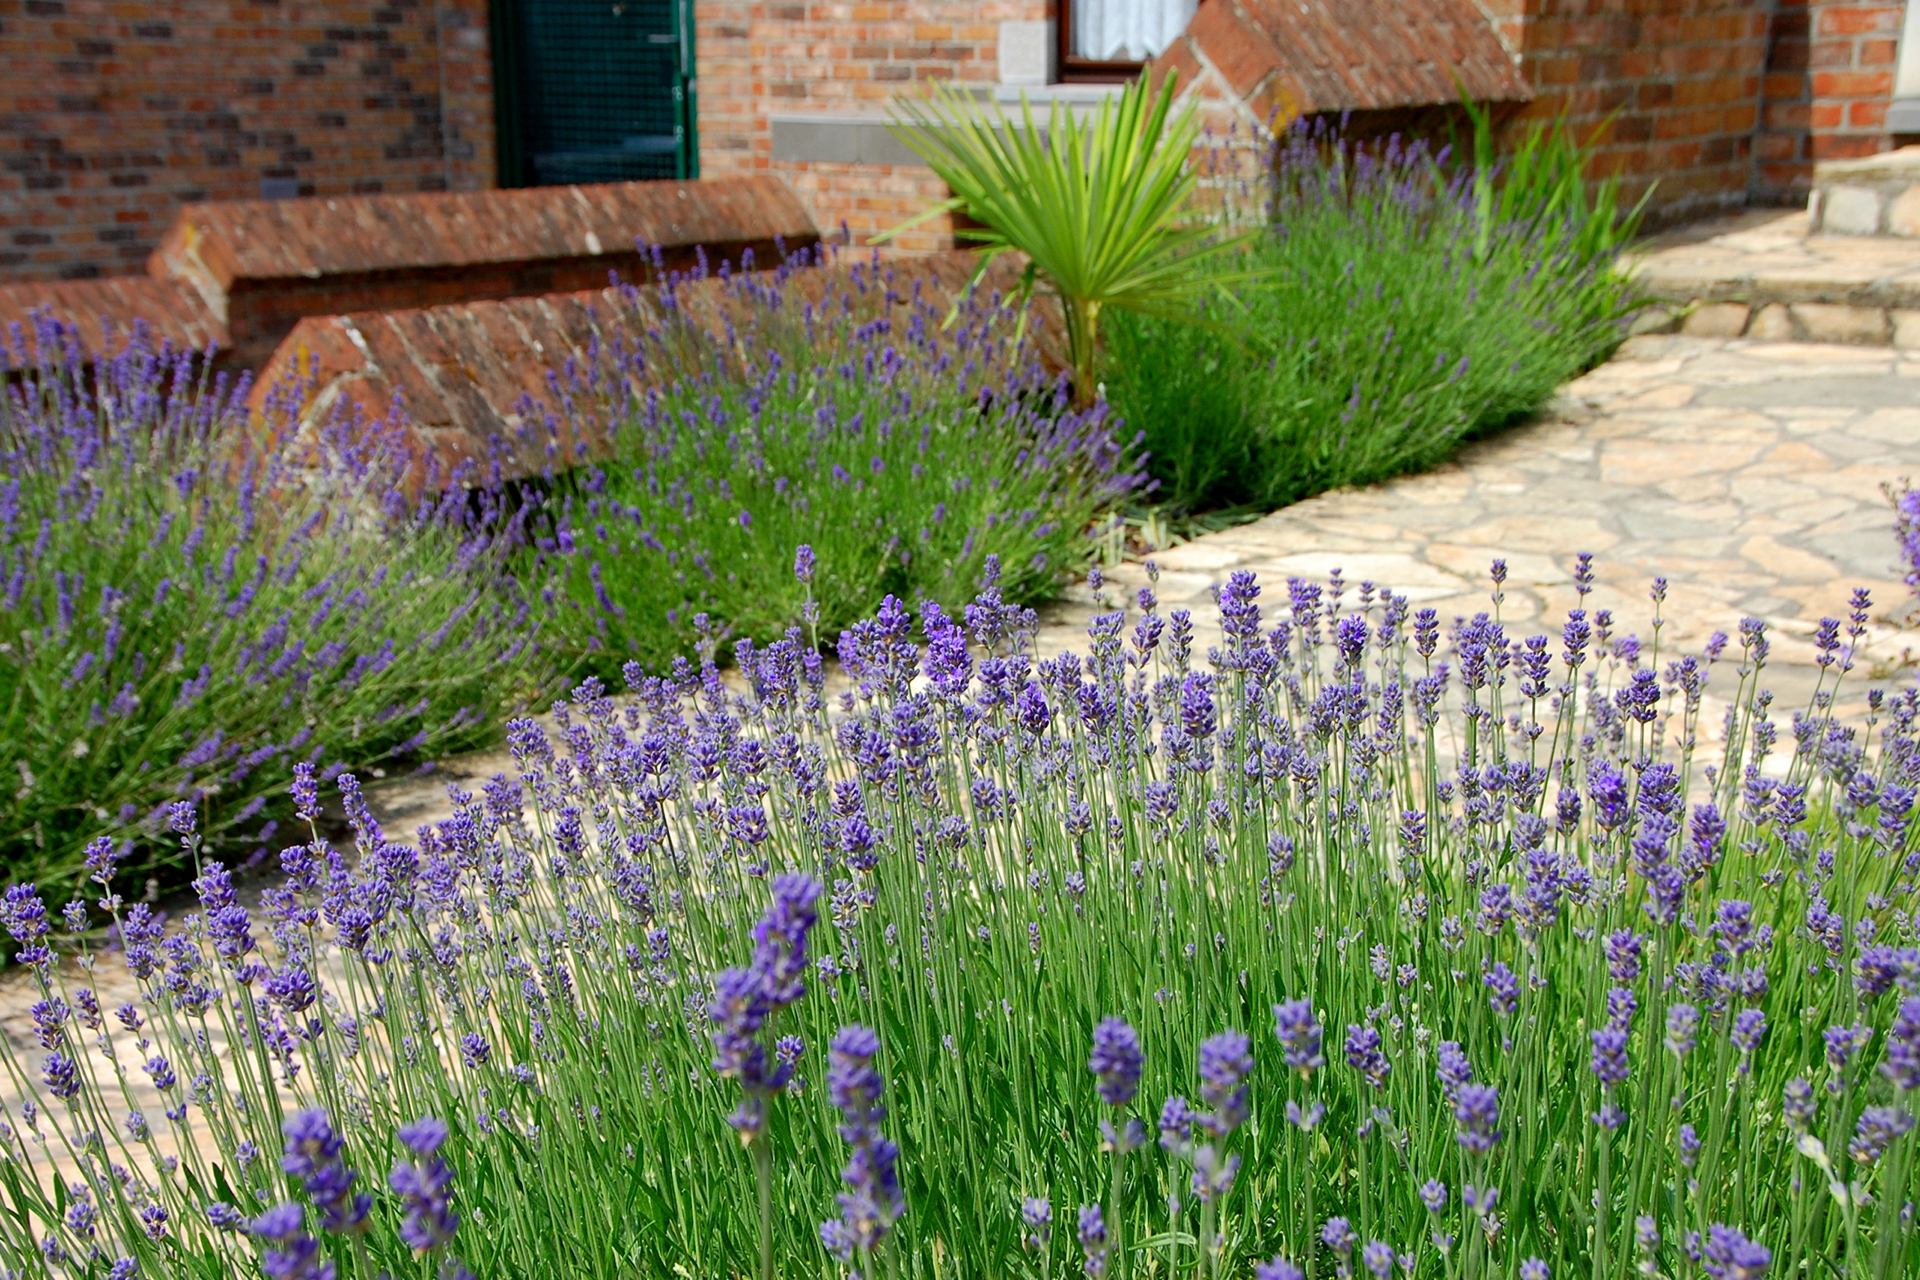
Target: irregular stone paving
point(1747, 474)
point(1760, 274)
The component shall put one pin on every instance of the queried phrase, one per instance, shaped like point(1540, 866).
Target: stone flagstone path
point(1748, 474)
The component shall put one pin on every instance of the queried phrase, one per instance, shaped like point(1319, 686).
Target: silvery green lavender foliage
point(190, 603)
point(1390, 329)
point(904, 448)
point(1432, 948)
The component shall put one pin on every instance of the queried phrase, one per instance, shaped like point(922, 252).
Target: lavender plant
point(191, 603)
point(1566, 975)
point(904, 450)
point(1396, 319)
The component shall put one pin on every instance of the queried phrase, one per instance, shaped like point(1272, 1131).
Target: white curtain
point(1127, 30)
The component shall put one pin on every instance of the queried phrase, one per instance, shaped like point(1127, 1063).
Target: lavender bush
point(1426, 947)
point(904, 448)
point(188, 606)
point(1409, 304)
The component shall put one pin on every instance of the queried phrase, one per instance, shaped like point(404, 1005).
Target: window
point(1113, 39)
point(593, 90)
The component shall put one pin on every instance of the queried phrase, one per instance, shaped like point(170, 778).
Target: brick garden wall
point(1683, 76)
point(112, 114)
point(840, 58)
point(1829, 80)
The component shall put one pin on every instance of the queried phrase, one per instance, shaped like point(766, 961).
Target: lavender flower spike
point(872, 1202)
point(1300, 1035)
point(425, 1187)
point(1116, 1061)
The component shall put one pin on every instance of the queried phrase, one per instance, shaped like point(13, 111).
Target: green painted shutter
point(594, 90)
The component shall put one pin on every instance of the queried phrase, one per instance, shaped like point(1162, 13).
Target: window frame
point(1078, 70)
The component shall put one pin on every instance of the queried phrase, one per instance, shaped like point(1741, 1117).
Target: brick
point(1852, 84)
point(1856, 20)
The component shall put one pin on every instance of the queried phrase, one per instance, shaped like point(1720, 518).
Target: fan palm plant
point(1102, 210)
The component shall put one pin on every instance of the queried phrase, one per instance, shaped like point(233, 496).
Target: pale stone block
point(1652, 320)
point(1906, 328)
point(1814, 207)
point(1771, 324)
point(1026, 53)
point(1828, 322)
point(1716, 320)
point(1851, 211)
point(1903, 215)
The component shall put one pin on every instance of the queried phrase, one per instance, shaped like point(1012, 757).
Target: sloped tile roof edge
point(1287, 58)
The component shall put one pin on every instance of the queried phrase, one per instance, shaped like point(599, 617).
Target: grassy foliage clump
point(1354, 945)
point(1406, 307)
point(904, 450)
point(189, 604)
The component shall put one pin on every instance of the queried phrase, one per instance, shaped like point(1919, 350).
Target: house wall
point(1830, 82)
point(1668, 90)
point(767, 70)
point(113, 114)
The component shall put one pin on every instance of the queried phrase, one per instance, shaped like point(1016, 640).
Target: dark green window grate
point(594, 90)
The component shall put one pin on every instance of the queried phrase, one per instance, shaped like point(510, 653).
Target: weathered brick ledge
point(237, 275)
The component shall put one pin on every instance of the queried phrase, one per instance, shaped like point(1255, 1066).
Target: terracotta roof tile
point(1310, 56)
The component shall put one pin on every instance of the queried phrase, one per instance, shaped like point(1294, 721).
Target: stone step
point(1759, 274)
point(1875, 196)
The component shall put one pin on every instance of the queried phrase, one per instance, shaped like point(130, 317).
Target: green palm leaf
point(1103, 210)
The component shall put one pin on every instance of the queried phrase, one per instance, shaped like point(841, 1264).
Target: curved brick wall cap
point(467, 375)
point(1299, 57)
point(228, 241)
point(102, 313)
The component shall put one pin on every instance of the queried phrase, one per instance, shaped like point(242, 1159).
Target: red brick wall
point(112, 114)
point(841, 58)
point(1829, 81)
point(1680, 79)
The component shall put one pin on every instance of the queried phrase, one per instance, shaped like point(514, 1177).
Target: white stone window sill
point(1072, 94)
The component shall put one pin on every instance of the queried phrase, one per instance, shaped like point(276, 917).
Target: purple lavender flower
point(315, 1155)
point(1451, 1069)
point(780, 938)
point(61, 1076)
point(1729, 1255)
point(1364, 1056)
point(1300, 1035)
point(1225, 1061)
point(1277, 1268)
point(294, 1255)
point(1093, 1241)
point(1036, 1214)
point(1797, 1105)
point(1610, 1057)
point(1116, 1061)
point(1902, 1065)
point(745, 999)
point(1683, 1029)
point(1337, 1235)
point(1878, 1129)
point(1377, 1257)
point(1503, 989)
point(872, 1202)
point(425, 1188)
point(1477, 1113)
